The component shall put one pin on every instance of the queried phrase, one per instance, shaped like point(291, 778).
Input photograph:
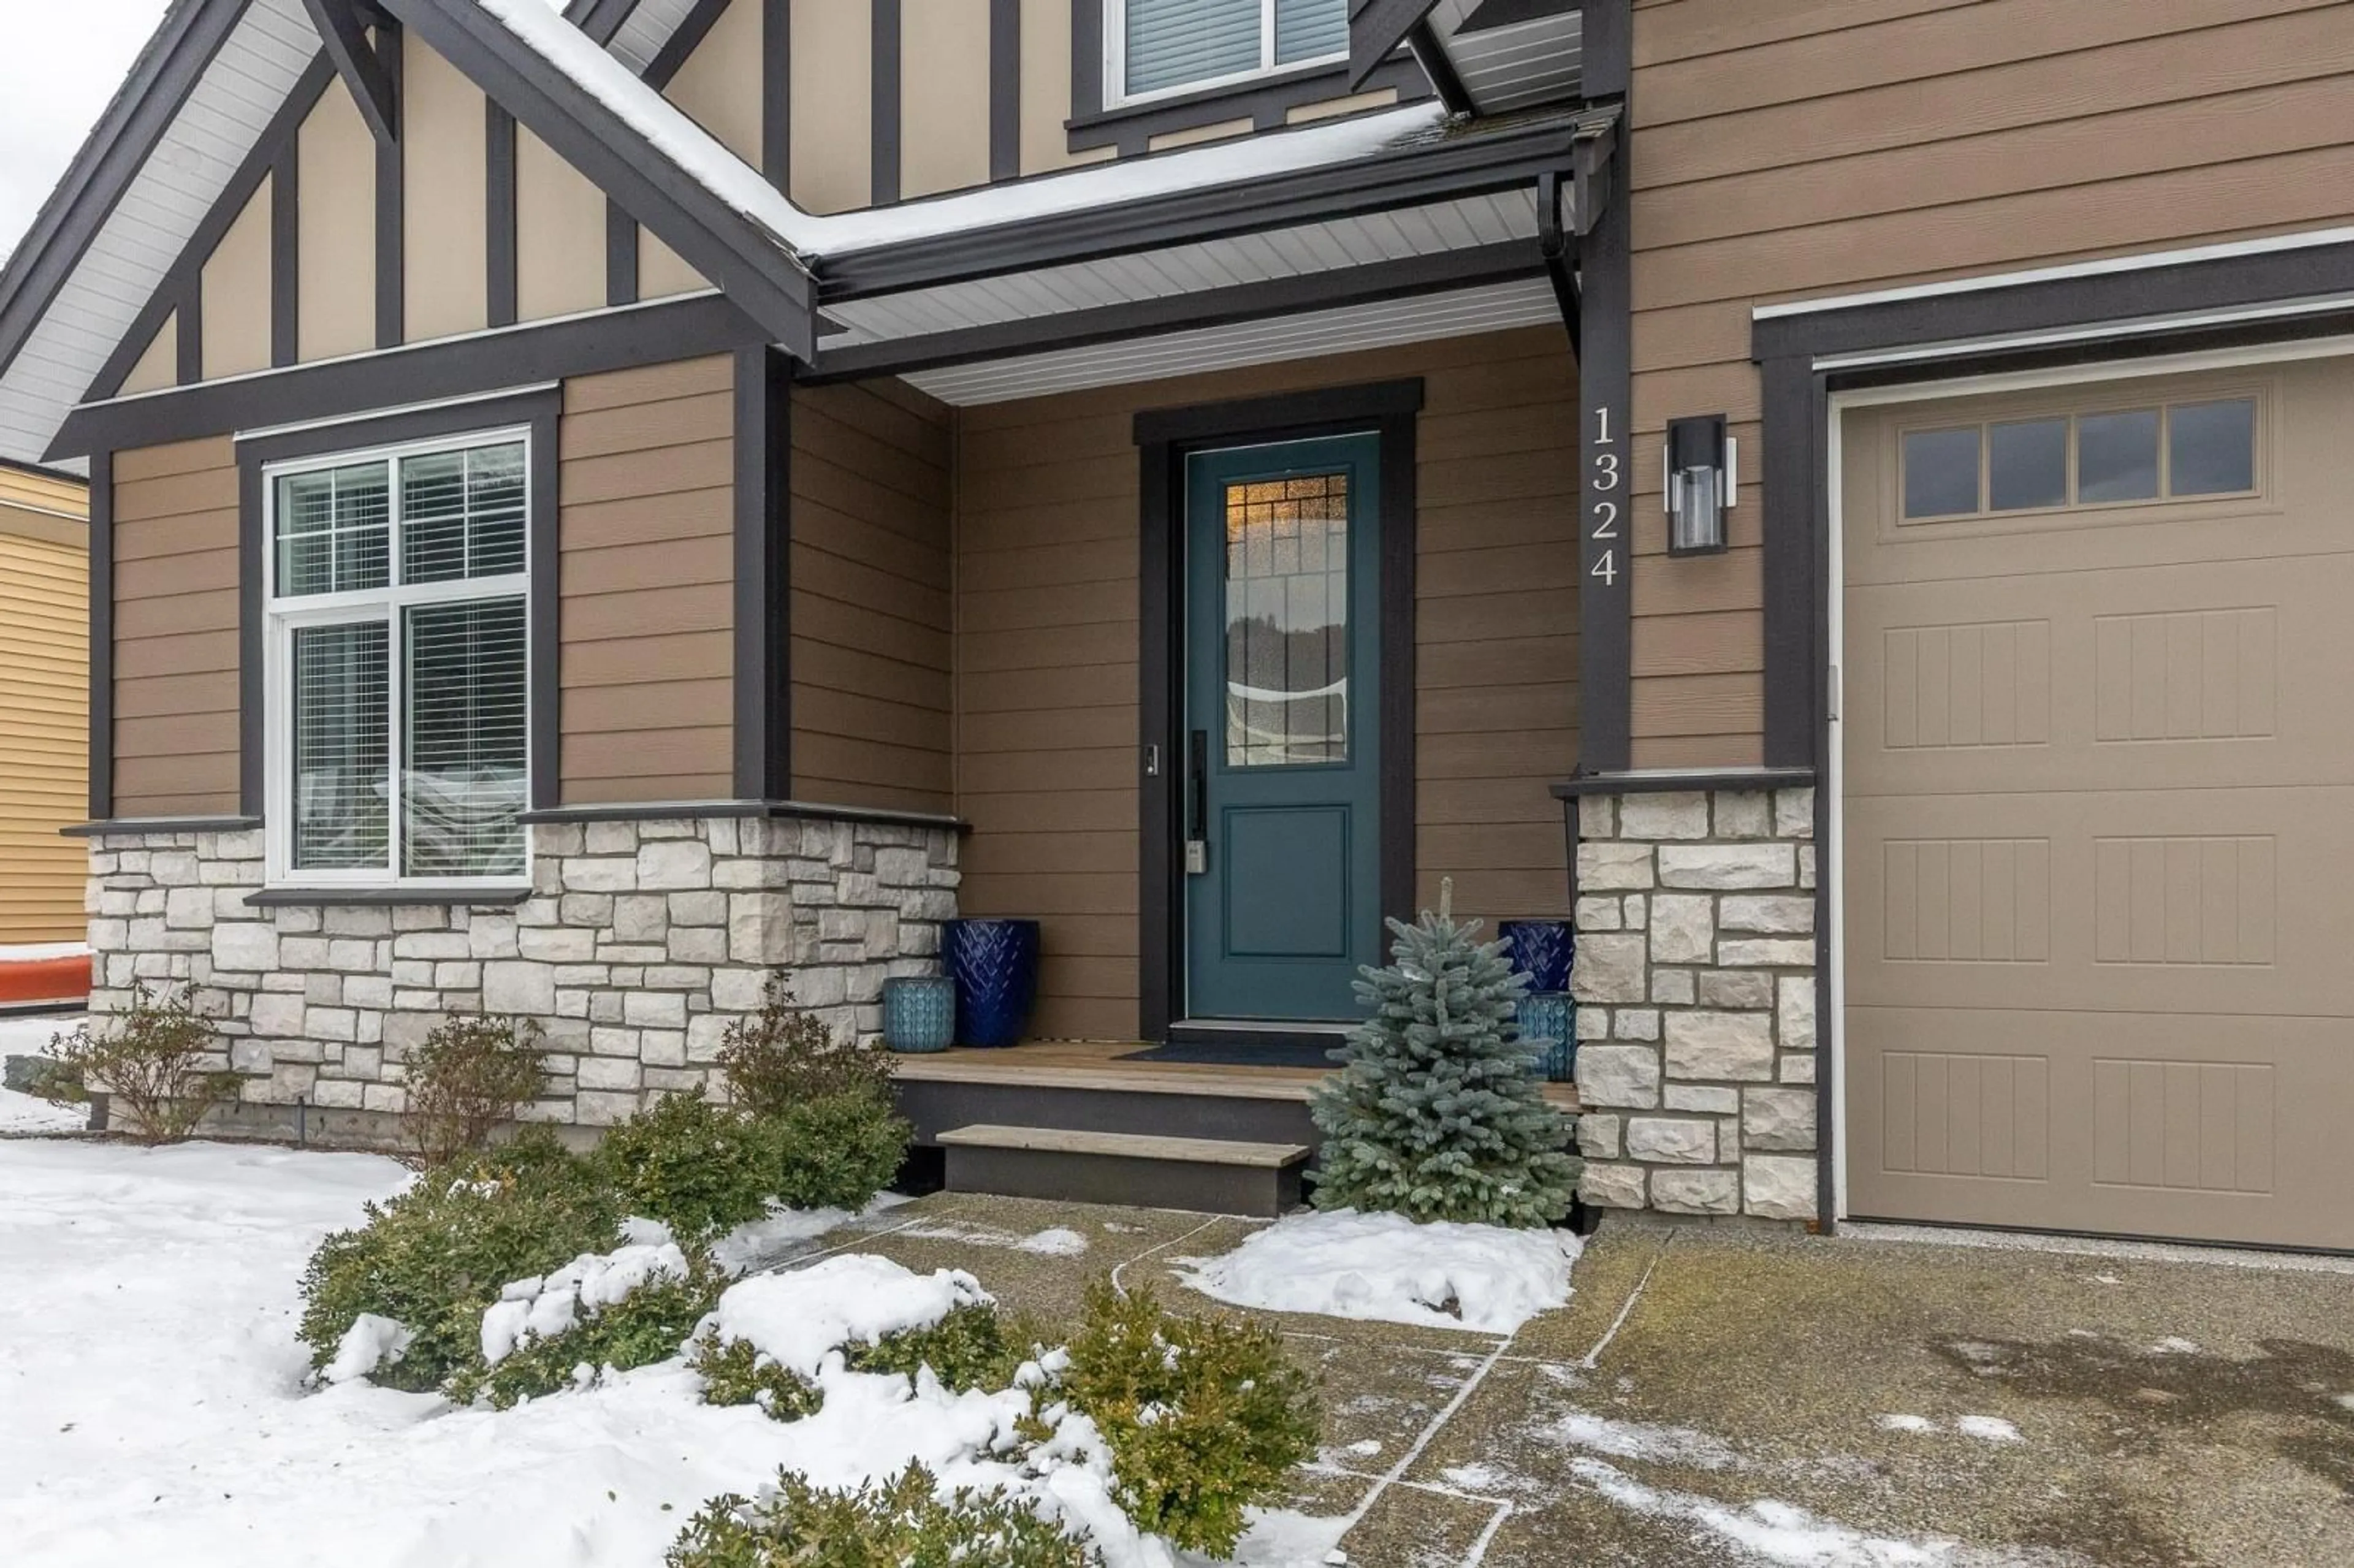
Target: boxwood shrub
point(897, 1523)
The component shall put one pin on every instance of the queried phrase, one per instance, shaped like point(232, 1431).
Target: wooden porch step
point(1208, 1175)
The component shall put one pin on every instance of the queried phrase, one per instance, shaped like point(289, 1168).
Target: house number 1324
point(1604, 480)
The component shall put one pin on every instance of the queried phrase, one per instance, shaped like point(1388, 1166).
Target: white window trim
point(1115, 63)
point(280, 618)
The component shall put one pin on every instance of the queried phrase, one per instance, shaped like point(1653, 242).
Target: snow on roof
point(702, 158)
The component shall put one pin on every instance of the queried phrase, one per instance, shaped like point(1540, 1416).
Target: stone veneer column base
point(640, 942)
point(1695, 984)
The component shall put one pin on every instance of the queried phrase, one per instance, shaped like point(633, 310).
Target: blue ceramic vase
point(919, 1012)
point(1541, 949)
point(995, 966)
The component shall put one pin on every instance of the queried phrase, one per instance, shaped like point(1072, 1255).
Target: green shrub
point(972, 1348)
point(699, 1167)
point(734, 1372)
point(434, 1259)
point(649, 1325)
point(838, 1151)
point(897, 1523)
point(1204, 1416)
point(781, 1057)
point(150, 1062)
point(467, 1077)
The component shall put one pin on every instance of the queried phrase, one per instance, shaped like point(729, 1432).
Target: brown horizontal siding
point(1046, 647)
point(871, 599)
point(647, 584)
point(1789, 152)
point(44, 730)
point(176, 637)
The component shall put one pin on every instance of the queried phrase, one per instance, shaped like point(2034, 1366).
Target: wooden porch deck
point(1097, 1066)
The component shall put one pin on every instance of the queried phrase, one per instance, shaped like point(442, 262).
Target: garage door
point(2098, 770)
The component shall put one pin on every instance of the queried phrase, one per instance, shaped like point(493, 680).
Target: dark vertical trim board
point(1164, 439)
point(285, 254)
point(620, 256)
point(763, 706)
point(101, 636)
point(1606, 503)
point(391, 259)
point(1792, 475)
point(543, 627)
point(499, 213)
point(777, 93)
point(1005, 90)
point(190, 368)
point(253, 686)
point(886, 100)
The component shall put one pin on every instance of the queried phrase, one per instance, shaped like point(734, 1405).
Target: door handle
point(1197, 828)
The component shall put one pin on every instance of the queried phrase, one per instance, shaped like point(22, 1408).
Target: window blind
point(461, 513)
point(1168, 43)
point(334, 529)
point(465, 741)
point(1309, 29)
point(342, 695)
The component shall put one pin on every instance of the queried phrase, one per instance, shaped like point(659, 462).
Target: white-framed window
point(398, 663)
point(1153, 48)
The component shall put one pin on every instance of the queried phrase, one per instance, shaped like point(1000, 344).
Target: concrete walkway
point(1736, 1396)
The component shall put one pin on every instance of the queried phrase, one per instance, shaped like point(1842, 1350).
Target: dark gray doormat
point(1240, 1053)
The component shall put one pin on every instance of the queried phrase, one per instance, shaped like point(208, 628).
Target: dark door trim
point(1164, 439)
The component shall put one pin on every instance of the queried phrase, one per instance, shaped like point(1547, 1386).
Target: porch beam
point(1605, 290)
point(764, 525)
point(1368, 285)
point(1378, 27)
point(343, 33)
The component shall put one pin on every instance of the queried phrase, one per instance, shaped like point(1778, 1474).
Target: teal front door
point(1282, 705)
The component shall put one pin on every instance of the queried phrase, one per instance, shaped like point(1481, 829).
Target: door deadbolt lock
point(1197, 857)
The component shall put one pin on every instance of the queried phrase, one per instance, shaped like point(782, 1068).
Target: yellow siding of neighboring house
point(44, 704)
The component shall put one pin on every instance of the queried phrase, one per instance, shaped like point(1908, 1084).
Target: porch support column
point(1606, 455)
point(764, 693)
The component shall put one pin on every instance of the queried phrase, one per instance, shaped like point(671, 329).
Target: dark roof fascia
point(1474, 166)
point(126, 133)
point(1368, 285)
point(394, 379)
point(1378, 27)
point(754, 268)
point(42, 471)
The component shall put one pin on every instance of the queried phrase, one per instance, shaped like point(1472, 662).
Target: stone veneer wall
point(1695, 985)
point(640, 941)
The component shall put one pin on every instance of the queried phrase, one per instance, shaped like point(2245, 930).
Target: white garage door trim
point(1830, 877)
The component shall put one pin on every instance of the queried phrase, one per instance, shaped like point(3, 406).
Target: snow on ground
point(1771, 1531)
point(1386, 1268)
point(1640, 1440)
point(1056, 1241)
point(30, 1036)
point(153, 1408)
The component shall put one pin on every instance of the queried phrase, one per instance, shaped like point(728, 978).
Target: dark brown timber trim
point(777, 93)
point(763, 711)
point(1005, 90)
point(286, 253)
point(499, 213)
point(1164, 438)
point(190, 367)
point(346, 41)
point(683, 41)
point(620, 256)
point(101, 635)
point(1606, 465)
point(391, 240)
point(884, 105)
point(420, 373)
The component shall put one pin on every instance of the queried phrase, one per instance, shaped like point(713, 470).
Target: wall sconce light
point(1702, 478)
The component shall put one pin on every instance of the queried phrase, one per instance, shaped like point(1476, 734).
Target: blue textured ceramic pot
point(995, 966)
point(1549, 1034)
point(919, 1012)
point(1541, 949)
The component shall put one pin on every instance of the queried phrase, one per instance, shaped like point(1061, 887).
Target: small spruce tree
point(1434, 1114)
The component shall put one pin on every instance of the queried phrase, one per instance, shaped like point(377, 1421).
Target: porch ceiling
point(1458, 312)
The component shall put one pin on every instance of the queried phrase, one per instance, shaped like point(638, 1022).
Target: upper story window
point(1162, 47)
point(2166, 452)
point(397, 732)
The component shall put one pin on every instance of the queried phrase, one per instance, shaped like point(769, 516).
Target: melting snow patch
point(1366, 1448)
point(1635, 1440)
point(1986, 1428)
point(2173, 1345)
point(1388, 1268)
point(1905, 1424)
point(1056, 1242)
point(1774, 1532)
point(2346, 1399)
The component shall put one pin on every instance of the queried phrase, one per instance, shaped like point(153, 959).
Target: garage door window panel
point(2085, 460)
